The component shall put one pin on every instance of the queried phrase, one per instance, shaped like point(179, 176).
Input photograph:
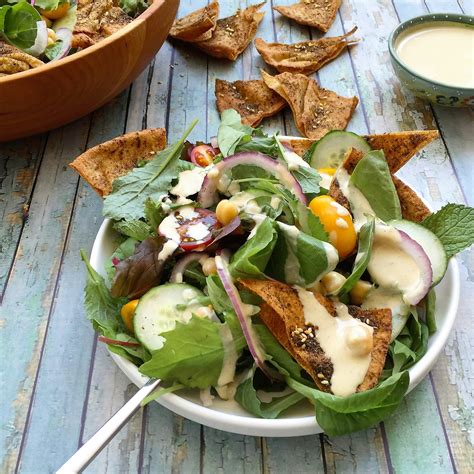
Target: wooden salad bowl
point(52, 95)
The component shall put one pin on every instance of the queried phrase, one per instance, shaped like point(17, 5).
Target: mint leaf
point(454, 226)
point(193, 353)
point(338, 416)
point(373, 179)
point(130, 192)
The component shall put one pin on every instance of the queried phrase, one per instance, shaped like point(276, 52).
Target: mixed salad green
point(44, 28)
point(196, 220)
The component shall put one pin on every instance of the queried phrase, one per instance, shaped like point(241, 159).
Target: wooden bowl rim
point(154, 7)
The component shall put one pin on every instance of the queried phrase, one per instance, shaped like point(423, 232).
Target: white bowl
point(299, 420)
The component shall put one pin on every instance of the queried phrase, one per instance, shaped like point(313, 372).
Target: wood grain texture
point(431, 432)
point(86, 80)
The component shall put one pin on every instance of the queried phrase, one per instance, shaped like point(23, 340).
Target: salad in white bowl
point(247, 272)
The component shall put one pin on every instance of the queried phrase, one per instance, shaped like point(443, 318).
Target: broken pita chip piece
point(233, 34)
point(316, 110)
point(319, 14)
point(252, 99)
point(303, 58)
point(13, 60)
point(412, 206)
point(283, 314)
point(198, 25)
point(104, 163)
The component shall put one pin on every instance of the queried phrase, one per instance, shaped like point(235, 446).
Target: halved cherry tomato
point(197, 231)
point(203, 155)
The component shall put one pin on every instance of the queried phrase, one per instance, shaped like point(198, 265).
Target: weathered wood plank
point(19, 164)
point(28, 297)
point(390, 108)
point(60, 390)
point(467, 7)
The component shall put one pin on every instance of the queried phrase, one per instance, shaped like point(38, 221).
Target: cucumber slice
point(430, 243)
point(329, 151)
point(157, 312)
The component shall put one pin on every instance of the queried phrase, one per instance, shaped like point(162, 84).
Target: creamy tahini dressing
point(189, 183)
point(440, 51)
point(339, 338)
point(389, 265)
point(360, 207)
point(294, 161)
point(230, 356)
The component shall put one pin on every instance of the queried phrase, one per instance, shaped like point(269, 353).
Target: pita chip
point(283, 314)
point(303, 58)
point(13, 60)
point(233, 34)
point(413, 208)
point(316, 110)
point(252, 99)
point(104, 163)
point(319, 14)
point(198, 25)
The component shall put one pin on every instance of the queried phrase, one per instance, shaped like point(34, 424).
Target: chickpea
point(359, 340)
point(333, 282)
point(226, 211)
point(51, 37)
point(359, 291)
point(209, 266)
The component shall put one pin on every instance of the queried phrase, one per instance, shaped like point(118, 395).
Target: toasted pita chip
point(316, 110)
point(413, 208)
point(398, 147)
point(104, 163)
point(252, 99)
point(13, 60)
point(198, 25)
point(282, 312)
point(233, 34)
point(317, 13)
point(304, 58)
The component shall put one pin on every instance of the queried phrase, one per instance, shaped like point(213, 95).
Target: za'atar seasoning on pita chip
point(305, 57)
point(319, 14)
point(252, 99)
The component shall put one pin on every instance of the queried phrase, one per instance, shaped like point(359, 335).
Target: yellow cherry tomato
point(128, 312)
point(329, 171)
point(57, 13)
point(337, 222)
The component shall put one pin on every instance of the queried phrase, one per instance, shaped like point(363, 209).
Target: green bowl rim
point(466, 19)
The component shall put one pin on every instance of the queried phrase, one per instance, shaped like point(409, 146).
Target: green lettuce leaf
point(18, 24)
point(246, 396)
point(372, 177)
point(130, 192)
point(430, 308)
point(136, 229)
point(366, 237)
point(252, 258)
point(454, 226)
point(193, 353)
point(338, 416)
point(232, 132)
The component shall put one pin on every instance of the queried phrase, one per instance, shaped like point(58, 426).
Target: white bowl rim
point(280, 427)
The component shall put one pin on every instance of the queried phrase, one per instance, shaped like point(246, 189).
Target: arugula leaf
point(232, 132)
point(366, 237)
point(310, 224)
point(252, 258)
point(133, 7)
point(246, 396)
point(123, 251)
point(373, 179)
point(309, 179)
point(193, 353)
point(102, 309)
point(338, 416)
point(453, 224)
point(138, 273)
point(219, 299)
point(130, 192)
point(19, 24)
point(259, 142)
point(154, 213)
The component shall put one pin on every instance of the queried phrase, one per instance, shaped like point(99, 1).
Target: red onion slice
point(118, 343)
point(208, 194)
point(248, 330)
point(227, 229)
point(65, 35)
point(180, 267)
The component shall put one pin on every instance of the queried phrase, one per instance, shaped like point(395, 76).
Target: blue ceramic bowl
point(435, 92)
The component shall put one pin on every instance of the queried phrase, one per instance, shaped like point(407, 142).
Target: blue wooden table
point(59, 385)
